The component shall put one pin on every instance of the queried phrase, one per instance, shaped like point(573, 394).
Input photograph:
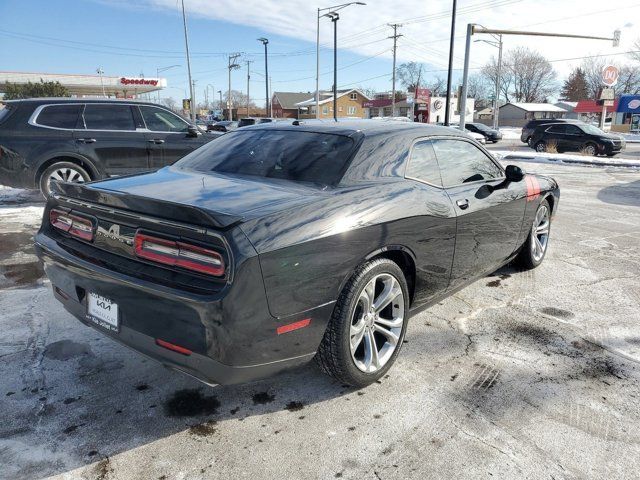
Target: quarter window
point(59, 116)
point(160, 120)
point(108, 117)
point(462, 162)
point(423, 164)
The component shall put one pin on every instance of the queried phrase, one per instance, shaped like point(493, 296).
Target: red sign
point(138, 81)
point(422, 94)
point(610, 75)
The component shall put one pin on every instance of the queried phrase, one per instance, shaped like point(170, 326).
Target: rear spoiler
point(148, 206)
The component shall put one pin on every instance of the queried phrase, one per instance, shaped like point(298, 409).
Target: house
point(349, 103)
point(485, 114)
point(284, 103)
point(381, 107)
point(569, 107)
point(516, 114)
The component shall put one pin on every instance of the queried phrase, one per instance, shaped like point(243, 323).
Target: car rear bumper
point(223, 349)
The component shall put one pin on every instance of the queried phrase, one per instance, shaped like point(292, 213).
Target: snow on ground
point(631, 137)
point(10, 195)
point(510, 133)
point(560, 158)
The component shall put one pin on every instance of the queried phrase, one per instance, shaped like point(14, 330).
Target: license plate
point(102, 311)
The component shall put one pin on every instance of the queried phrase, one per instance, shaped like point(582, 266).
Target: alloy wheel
point(66, 174)
point(590, 150)
point(376, 323)
point(540, 233)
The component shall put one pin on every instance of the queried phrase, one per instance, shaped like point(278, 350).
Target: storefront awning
point(591, 106)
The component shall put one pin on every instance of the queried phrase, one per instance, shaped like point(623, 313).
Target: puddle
point(19, 265)
point(66, 350)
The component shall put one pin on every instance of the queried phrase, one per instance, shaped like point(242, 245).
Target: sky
point(133, 38)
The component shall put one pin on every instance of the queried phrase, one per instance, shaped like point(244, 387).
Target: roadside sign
point(608, 103)
point(610, 75)
point(186, 104)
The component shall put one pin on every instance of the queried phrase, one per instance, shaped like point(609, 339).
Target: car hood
point(229, 198)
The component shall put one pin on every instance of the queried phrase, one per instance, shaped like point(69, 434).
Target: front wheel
point(62, 172)
point(590, 149)
point(535, 248)
point(368, 325)
point(540, 147)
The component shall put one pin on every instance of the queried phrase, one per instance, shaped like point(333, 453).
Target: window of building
point(462, 162)
point(353, 96)
point(325, 110)
point(351, 111)
point(423, 164)
point(108, 117)
point(340, 108)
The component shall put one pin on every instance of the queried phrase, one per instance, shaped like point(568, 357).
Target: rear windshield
point(300, 156)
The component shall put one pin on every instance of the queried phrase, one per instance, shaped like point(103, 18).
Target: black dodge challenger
point(275, 244)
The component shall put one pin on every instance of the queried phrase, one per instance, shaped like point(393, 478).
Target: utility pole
point(265, 42)
point(334, 19)
point(100, 72)
point(193, 97)
point(232, 65)
point(496, 107)
point(248, 78)
point(395, 36)
point(186, 43)
point(447, 107)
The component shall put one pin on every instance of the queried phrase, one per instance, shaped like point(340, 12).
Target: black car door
point(575, 138)
point(489, 210)
point(110, 138)
point(168, 136)
point(432, 223)
point(556, 135)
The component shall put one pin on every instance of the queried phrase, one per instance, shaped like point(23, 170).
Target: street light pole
point(100, 72)
point(333, 8)
point(248, 78)
point(232, 65)
point(393, 81)
point(265, 42)
point(496, 106)
point(186, 43)
point(221, 106)
point(334, 19)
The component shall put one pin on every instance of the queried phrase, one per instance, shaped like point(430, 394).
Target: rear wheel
point(535, 248)
point(368, 325)
point(62, 172)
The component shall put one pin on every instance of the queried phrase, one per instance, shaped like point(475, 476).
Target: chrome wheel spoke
point(392, 338)
point(388, 295)
point(393, 323)
point(357, 334)
point(371, 359)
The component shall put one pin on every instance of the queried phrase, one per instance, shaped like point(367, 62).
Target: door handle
point(157, 141)
point(462, 204)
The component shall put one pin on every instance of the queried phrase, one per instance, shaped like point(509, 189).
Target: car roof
point(364, 126)
point(78, 100)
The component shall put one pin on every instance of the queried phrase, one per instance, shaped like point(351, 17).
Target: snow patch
point(560, 158)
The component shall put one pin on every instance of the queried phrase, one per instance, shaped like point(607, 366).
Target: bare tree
point(628, 81)
point(526, 76)
point(437, 86)
point(238, 99)
point(409, 74)
point(479, 88)
point(170, 103)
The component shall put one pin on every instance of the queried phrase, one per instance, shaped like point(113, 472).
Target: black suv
point(78, 140)
point(490, 134)
point(531, 125)
point(576, 138)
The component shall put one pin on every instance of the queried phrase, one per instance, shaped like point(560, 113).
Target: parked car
point(224, 126)
point(78, 140)
point(567, 137)
point(478, 137)
point(531, 125)
point(245, 122)
point(277, 244)
point(490, 134)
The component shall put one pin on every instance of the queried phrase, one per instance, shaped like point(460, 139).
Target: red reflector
point(74, 225)
point(293, 326)
point(171, 346)
point(179, 254)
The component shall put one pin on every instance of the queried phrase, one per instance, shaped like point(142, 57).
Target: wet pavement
point(521, 375)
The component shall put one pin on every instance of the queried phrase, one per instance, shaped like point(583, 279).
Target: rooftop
point(536, 107)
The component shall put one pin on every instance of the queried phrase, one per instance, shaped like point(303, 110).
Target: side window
point(59, 116)
point(573, 130)
point(108, 117)
point(557, 129)
point(160, 120)
point(423, 164)
point(462, 162)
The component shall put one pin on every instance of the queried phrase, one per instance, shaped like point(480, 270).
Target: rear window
point(59, 116)
point(108, 117)
point(244, 122)
point(291, 155)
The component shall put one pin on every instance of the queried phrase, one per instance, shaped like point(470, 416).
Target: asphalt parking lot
point(521, 375)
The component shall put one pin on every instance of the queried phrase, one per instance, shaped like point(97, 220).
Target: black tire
point(589, 146)
point(526, 259)
point(540, 147)
point(334, 354)
point(612, 154)
point(46, 175)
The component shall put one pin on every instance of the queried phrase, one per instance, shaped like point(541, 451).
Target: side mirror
point(193, 131)
point(514, 173)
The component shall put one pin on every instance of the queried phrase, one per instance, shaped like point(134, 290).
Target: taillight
point(179, 254)
point(74, 225)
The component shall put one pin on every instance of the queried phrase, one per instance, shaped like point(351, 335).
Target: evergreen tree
point(34, 90)
point(575, 87)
